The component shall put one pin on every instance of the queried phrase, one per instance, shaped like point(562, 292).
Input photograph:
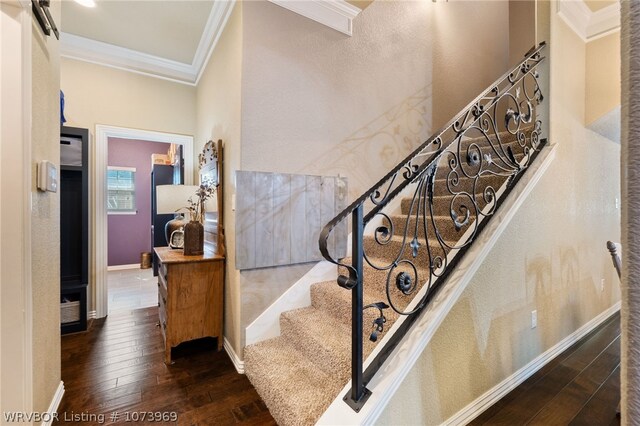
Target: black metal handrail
point(460, 176)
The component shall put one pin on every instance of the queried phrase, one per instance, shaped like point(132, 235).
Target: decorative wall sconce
point(43, 16)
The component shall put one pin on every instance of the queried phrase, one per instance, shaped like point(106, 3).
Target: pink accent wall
point(130, 235)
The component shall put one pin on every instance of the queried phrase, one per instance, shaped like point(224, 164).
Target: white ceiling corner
point(85, 49)
point(587, 24)
point(336, 14)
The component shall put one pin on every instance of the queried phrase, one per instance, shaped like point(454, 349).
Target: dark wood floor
point(117, 367)
point(579, 387)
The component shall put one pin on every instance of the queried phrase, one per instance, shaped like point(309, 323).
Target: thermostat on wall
point(47, 176)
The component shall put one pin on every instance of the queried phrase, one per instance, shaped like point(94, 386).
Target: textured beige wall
point(317, 102)
point(551, 258)
point(630, 160)
point(522, 29)
point(311, 95)
point(218, 117)
point(100, 95)
point(15, 212)
point(467, 57)
point(603, 76)
point(45, 217)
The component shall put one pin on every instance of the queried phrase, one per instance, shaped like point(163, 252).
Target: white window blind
point(121, 190)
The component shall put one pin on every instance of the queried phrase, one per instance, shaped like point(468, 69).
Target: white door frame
point(98, 176)
point(16, 323)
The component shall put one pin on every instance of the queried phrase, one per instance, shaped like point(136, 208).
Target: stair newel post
point(359, 394)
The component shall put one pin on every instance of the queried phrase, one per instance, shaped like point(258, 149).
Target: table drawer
point(162, 290)
point(162, 271)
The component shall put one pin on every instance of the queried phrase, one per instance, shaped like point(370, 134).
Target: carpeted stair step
point(442, 204)
point(444, 224)
point(399, 246)
point(485, 180)
point(376, 279)
point(496, 166)
point(295, 390)
point(504, 139)
point(330, 297)
point(322, 339)
point(299, 373)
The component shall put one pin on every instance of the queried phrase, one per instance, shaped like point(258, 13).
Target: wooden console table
point(190, 297)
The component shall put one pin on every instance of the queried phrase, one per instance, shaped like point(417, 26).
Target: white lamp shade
point(170, 198)
point(211, 205)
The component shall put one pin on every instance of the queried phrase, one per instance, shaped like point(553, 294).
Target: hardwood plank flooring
point(118, 366)
point(579, 387)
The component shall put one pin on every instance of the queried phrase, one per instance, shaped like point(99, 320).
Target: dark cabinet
point(160, 175)
point(74, 228)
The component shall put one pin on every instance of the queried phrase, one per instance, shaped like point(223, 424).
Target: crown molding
point(604, 22)
point(216, 23)
point(109, 55)
point(97, 52)
point(336, 14)
point(586, 24)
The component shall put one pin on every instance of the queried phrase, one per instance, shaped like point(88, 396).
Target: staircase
point(450, 187)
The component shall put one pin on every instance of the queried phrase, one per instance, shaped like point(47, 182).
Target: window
point(121, 190)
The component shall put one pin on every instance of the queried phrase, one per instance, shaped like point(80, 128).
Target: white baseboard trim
point(92, 315)
point(489, 398)
point(53, 407)
point(235, 359)
point(123, 267)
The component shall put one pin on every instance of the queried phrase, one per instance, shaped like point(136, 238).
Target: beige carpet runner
point(300, 373)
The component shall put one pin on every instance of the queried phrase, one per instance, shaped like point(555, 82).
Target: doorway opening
point(118, 204)
point(130, 217)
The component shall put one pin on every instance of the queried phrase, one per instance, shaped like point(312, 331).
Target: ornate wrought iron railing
point(450, 184)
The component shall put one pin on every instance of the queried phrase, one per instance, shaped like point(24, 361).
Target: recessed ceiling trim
point(109, 55)
point(587, 24)
point(97, 52)
point(336, 14)
point(604, 21)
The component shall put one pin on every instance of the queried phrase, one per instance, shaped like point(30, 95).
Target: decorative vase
point(173, 225)
point(193, 238)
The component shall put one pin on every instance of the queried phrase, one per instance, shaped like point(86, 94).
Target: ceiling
point(596, 5)
point(169, 39)
point(167, 29)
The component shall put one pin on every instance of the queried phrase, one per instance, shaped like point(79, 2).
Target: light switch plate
point(47, 176)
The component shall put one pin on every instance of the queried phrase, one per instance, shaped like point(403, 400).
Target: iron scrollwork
point(450, 184)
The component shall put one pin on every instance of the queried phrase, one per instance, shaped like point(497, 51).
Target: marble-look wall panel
point(343, 227)
point(282, 227)
point(264, 220)
point(245, 220)
point(327, 207)
point(314, 223)
point(298, 202)
point(280, 217)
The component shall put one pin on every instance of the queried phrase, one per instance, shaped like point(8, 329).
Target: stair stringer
point(267, 324)
point(392, 373)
